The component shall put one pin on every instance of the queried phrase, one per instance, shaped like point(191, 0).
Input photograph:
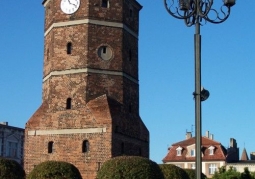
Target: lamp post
point(196, 12)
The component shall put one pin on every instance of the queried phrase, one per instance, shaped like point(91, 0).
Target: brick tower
point(90, 105)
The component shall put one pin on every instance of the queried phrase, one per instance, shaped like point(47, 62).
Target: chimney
point(211, 136)
point(207, 134)
point(4, 123)
point(188, 135)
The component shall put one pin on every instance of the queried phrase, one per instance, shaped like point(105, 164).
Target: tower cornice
point(91, 21)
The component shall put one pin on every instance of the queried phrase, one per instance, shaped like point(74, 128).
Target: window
point(85, 146)
point(131, 12)
point(211, 150)
point(68, 103)
point(12, 150)
point(193, 166)
point(179, 151)
point(105, 3)
point(130, 55)
point(98, 166)
point(50, 147)
point(212, 168)
point(69, 48)
point(192, 153)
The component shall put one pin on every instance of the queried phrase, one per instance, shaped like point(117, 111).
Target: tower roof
point(244, 156)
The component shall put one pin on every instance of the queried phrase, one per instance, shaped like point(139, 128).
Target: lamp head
point(184, 5)
point(204, 94)
point(229, 3)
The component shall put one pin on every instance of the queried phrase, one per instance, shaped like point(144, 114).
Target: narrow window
point(69, 48)
point(130, 55)
point(68, 103)
point(85, 146)
point(105, 3)
point(122, 148)
point(192, 153)
point(130, 12)
point(50, 147)
point(98, 166)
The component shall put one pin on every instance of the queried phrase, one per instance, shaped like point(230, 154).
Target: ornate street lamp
point(197, 12)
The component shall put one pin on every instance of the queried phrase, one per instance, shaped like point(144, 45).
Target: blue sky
point(166, 72)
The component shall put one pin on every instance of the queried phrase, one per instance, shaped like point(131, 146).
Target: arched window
point(68, 103)
point(69, 48)
point(85, 146)
point(50, 147)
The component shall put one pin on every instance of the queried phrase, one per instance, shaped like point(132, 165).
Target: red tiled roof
point(219, 152)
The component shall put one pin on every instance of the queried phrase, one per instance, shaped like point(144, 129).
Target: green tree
point(246, 174)
point(226, 174)
point(10, 169)
point(54, 170)
point(173, 172)
point(192, 173)
point(129, 167)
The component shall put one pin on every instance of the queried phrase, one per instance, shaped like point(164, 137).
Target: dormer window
point(211, 150)
point(192, 153)
point(179, 151)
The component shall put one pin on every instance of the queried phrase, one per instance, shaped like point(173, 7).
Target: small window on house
point(212, 168)
point(85, 146)
point(193, 166)
point(211, 150)
point(68, 103)
point(105, 3)
point(50, 147)
point(179, 151)
point(192, 153)
point(69, 48)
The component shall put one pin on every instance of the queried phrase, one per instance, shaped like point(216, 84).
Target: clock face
point(69, 6)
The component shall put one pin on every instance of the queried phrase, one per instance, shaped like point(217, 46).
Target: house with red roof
point(214, 154)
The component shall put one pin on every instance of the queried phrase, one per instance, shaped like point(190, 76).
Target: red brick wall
point(99, 100)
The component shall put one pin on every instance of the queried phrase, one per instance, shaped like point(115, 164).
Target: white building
point(11, 142)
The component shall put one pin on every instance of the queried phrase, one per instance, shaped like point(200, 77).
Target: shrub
point(10, 169)
point(129, 167)
point(54, 170)
point(192, 173)
point(171, 171)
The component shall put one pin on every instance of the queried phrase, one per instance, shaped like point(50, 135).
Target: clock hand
point(72, 3)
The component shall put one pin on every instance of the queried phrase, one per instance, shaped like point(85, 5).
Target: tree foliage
point(173, 172)
point(10, 169)
point(232, 174)
point(192, 173)
point(129, 167)
point(54, 170)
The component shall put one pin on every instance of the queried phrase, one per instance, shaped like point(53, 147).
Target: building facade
point(214, 155)
point(90, 105)
point(11, 142)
